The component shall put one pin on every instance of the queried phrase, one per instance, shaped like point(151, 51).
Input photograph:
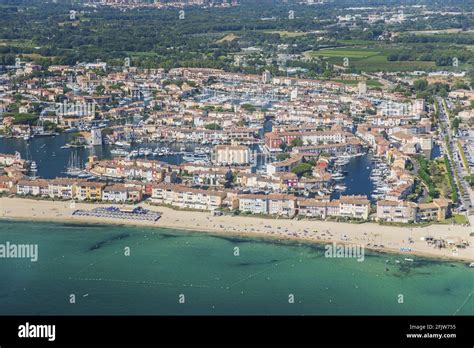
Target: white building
point(231, 154)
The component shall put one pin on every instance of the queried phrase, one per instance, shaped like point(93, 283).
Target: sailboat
point(74, 166)
point(33, 168)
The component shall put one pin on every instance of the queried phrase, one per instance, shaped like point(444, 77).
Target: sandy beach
point(370, 235)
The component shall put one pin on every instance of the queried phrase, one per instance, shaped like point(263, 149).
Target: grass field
point(227, 38)
point(355, 42)
point(17, 43)
point(457, 219)
point(283, 33)
point(370, 83)
point(345, 53)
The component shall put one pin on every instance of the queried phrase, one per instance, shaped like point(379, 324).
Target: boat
point(43, 133)
point(341, 162)
point(195, 158)
point(33, 170)
point(122, 144)
point(409, 260)
point(337, 176)
point(340, 187)
point(74, 165)
point(119, 152)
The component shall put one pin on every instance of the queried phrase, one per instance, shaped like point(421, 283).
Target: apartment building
point(437, 210)
point(314, 208)
point(285, 165)
point(38, 187)
point(62, 188)
point(347, 206)
point(253, 203)
point(272, 204)
point(187, 197)
point(281, 204)
point(354, 207)
point(402, 211)
point(396, 211)
point(122, 193)
point(90, 191)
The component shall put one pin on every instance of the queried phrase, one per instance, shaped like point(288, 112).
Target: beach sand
point(370, 235)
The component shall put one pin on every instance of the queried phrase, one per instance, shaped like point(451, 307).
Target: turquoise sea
point(90, 262)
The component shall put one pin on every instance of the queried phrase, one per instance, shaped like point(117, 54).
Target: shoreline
point(370, 235)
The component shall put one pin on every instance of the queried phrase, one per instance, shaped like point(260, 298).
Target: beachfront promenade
point(370, 235)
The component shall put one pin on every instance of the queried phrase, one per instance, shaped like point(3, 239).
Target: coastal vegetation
point(437, 178)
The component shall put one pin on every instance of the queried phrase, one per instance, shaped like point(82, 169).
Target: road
point(467, 198)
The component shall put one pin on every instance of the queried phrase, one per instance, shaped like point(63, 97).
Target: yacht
point(337, 176)
point(33, 170)
point(119, 152)
point(74, 165)
point(341, 162)
point(195, 158)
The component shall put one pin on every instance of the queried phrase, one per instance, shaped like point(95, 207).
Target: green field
point(370, 83)
point(457, 219)
point(345, 53)
point(369, 59)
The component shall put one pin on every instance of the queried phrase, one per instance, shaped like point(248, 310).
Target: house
point(7, 183)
